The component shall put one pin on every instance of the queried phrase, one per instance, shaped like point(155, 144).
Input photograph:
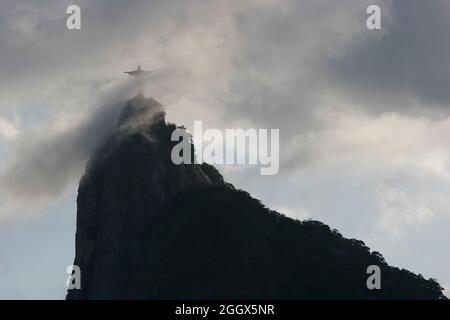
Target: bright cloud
point(7, 129)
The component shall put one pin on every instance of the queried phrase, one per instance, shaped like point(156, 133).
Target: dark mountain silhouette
point(150, 229)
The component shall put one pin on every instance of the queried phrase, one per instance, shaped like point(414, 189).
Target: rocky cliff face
point(124, 187)
point(149, 229)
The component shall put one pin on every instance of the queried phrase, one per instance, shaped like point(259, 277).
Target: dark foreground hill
point(150, 229)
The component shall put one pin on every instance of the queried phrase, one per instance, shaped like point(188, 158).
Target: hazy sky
point(363, 115)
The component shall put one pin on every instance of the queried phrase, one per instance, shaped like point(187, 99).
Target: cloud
point(46, 161)
point(398, 212)
point(406, 69)
point(279, 79)
point(66, 93)
point(390, 139)
point(7, 129)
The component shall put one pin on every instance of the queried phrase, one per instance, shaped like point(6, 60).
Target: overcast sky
point(363, 115)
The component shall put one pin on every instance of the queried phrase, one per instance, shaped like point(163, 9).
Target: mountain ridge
point(150, 229)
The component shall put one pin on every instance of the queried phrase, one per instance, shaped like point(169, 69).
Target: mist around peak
point(47, 162)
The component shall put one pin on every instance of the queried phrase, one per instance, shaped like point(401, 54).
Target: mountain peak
point(150, 229)
point(140, 111)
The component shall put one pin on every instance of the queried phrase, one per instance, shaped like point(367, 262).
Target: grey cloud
point(404, 63)
point(56, 76)
point(290, 61)
point(279, 74)
point(44, 163)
